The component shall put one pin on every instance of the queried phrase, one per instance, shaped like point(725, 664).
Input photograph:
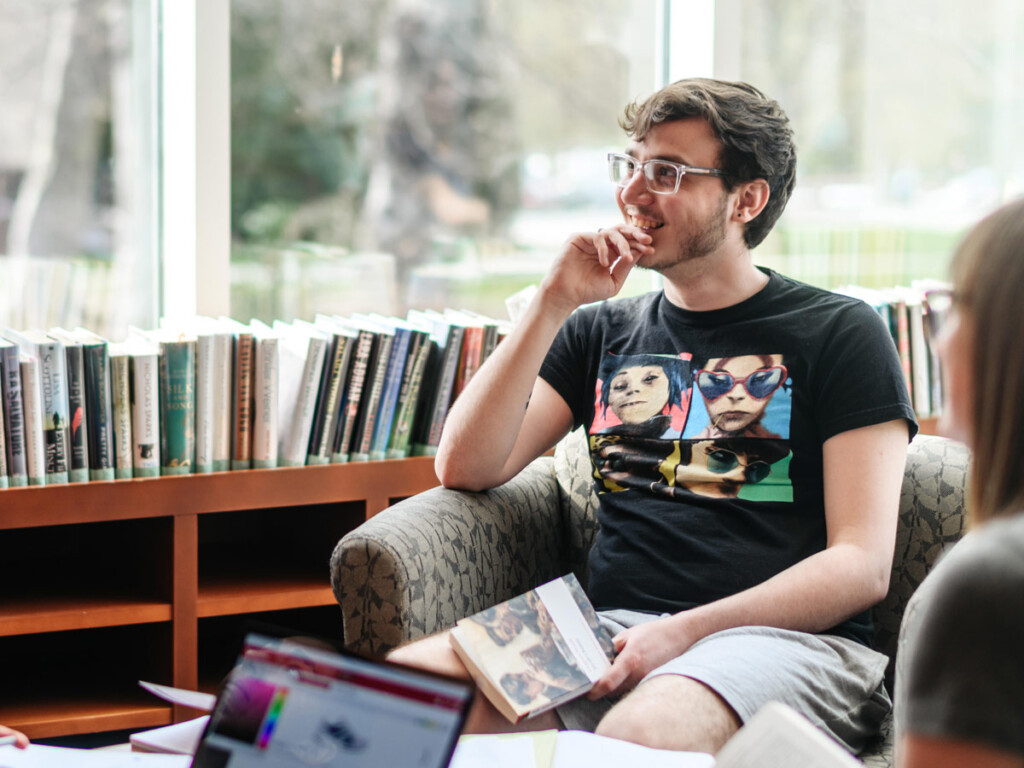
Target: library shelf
point(109, 583)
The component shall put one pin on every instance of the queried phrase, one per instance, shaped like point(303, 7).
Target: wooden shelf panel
point(376, 482)
point(226, 596)
point(24, 615)
point(85, 715)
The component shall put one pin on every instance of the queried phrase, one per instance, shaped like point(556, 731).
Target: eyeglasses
point(938, 303)
point(661, 176)
point(722, 460)
point(759, 384)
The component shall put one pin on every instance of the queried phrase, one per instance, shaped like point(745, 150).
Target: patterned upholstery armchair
point(432, 559)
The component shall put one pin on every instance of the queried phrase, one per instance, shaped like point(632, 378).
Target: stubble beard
point(694, 247)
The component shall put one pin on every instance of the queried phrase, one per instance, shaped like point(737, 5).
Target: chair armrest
point(420, 565)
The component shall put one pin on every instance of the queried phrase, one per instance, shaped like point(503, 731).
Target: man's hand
point(593, 265)
point(642, 649)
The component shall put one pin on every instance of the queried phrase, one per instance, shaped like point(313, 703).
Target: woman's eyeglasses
point(722, 460)
point(938, 303)
point(759, 385)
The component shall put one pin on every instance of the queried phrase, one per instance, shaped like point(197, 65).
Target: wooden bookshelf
point(108, 583)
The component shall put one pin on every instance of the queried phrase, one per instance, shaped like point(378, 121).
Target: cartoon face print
point(639, 393)
point(642, 395)
point(720, 468)
point(736, 392)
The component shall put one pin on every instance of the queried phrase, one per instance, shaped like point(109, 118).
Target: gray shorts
point(838, 684)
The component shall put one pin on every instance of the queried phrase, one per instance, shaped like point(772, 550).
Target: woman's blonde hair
point(988, 278)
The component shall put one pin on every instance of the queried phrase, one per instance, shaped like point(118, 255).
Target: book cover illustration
point(535, 651)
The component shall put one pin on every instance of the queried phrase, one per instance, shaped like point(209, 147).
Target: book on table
point(536, 651)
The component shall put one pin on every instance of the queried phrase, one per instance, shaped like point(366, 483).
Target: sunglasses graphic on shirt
point(722, 460)
point(759, 385)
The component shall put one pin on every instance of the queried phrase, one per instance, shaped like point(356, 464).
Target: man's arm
point(506, 416)
point(863, 475)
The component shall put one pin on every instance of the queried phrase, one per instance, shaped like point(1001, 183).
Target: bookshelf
point(107, 583)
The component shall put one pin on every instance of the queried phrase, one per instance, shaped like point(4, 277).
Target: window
point(389, 154)
point(77, 166)
point(906, 116)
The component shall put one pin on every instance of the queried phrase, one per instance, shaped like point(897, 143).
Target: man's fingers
point(601, 244)
point(619, 242)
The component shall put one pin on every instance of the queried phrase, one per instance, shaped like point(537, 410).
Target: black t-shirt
point(706, 433)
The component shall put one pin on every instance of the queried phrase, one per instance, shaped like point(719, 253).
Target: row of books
point(214, 395)
point(911, 322)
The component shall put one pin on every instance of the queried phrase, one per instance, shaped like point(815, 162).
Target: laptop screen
point(289, 704)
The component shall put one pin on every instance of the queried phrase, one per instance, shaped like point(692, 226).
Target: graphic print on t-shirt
point(675, 426)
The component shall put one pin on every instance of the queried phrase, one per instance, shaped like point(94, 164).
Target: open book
point(535, 651)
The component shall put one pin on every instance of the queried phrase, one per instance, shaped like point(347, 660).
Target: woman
point(960, 687)
point(20, 739)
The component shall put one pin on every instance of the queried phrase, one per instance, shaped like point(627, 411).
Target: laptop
point(288, 703)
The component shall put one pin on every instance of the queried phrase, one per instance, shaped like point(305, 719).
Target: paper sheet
point(515, 751)
point(193, 699)
point(38, 756)
point(577, 749)
point(567, 749)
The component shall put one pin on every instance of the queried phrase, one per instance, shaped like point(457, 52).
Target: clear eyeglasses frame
point(938, 303)
point(662, 177)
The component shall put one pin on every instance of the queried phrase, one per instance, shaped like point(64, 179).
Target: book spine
point(145, 400)
point(53, 387)
point(35, 443)
point(395, 372)
point(4, 474)
point(14, 417)
point(99, 410)
point(265, 421)
point(349, 412)
point(427, 397)
point(241, 443)
point(377, 371)
point(902, 338)
point(337, 417)
point(920, 375)
point(443, 396)
point(490, 341)
point(316, 452)
point(79, 423)
point(177, 407)
point(205, 403)
point(302, 421)
point(223, 372)
point(121, 423)
point(469, 364)
point(408, 399)
point(324, 448)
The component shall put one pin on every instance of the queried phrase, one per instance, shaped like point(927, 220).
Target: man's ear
point(751, 198)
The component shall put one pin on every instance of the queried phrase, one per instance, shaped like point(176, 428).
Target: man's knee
point(433, 653)
point(672, 712)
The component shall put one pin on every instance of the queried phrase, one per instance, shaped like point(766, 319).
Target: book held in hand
point(535, 651)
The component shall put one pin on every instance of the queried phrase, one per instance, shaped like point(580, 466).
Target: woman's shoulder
point(976, 581)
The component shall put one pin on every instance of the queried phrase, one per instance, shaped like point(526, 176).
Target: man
point(718, 604)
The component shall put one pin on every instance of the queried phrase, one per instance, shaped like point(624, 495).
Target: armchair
point(426, 562)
